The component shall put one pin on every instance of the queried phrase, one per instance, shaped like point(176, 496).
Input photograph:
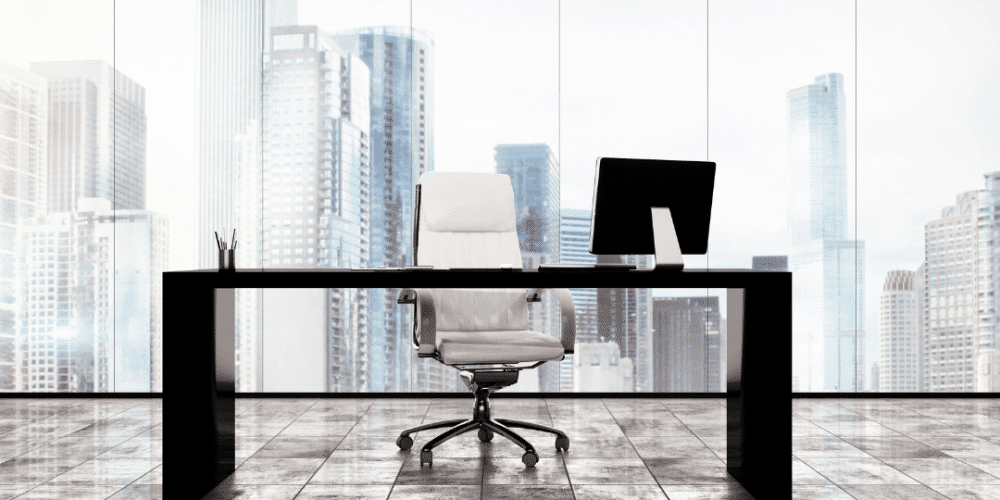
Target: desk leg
point(759, 413)
point(198, 403)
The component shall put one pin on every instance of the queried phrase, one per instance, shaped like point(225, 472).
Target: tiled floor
point(673, 449)
point(69, 449)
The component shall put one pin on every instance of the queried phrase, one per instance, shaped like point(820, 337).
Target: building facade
point(987, 224)
point(599, 367)
point(317, 182)
point(901, 329)
point(828, 292)
point(401, 60)
point(23, 174)
point(574, 244)
point(534, 176)
point(90, 316)
point(96, 135)
point(686, 344)
point(624, 316)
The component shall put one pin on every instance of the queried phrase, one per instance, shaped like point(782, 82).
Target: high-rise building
point(957, 252)
point(599, 367)
point(686, 344)
point(987, 336)
point(624, 316)
point(231, 56)
point(534, 175)
point(23, 151)
point(231, 50)
point(575, 249)
point(900, 329)
point(401, 60)
point(316, 172)
point(96, 135)
point(828, 292)
point(90, 316)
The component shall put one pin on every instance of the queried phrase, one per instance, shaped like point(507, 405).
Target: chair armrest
point(424, 319)
point(567, 318)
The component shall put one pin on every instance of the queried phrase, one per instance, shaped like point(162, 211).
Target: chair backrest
point(466, 219)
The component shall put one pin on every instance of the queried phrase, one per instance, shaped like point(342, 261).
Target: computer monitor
point(660, 207)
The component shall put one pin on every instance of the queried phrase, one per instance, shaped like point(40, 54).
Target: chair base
point(487, 426)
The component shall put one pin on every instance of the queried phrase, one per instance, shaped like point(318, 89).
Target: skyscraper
point(231, 55)
point(827, 345)
point(316, 174)
point(686, 344)
point(900, 329)
point(575, 249)
point(93, 323)
point(23, 151)
point(96, 135)
point(534, 176)
point(986, 237)
point(624, 316)
point(401, 60)
point(229, 94)
point(960, 293)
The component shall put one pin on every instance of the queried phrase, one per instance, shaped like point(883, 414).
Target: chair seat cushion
point(490, 347)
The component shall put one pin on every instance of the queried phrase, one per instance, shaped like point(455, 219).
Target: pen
point(218, 242)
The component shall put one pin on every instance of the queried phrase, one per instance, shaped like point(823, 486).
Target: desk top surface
point(474, 278)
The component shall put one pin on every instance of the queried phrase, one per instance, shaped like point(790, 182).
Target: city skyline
point(888, 140)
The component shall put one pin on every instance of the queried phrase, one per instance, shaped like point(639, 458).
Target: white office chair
point(466, 220)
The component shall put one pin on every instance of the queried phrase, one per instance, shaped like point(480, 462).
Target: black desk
point(198, 358)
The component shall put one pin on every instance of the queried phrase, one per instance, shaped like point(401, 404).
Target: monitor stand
point(667, 248)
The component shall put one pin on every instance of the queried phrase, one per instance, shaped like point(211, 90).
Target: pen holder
point(227, 260)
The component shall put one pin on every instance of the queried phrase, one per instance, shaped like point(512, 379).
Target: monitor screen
point(626, 188)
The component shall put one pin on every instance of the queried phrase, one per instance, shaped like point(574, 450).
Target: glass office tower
point(828, 292)
point(317, 186)
point(574, 248)
point(100, 328)
point(686, 347)
point(97, 135)
point(401, 60)
point(23, 151)
point(231, 55)
point(534, 176)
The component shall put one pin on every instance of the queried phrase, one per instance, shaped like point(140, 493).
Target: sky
point(687, 80)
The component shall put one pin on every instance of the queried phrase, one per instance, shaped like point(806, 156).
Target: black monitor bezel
point(621, 220)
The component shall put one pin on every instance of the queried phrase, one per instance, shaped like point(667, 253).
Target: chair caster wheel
point(426, 458)
point(530, 459)
point(562, 443)
point(404, 442)
point(485, 435)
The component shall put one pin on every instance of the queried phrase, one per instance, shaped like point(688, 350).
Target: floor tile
point(337, 470)
point(602, 471)
point(289, 471)
point(344, 491)
point(437, 492)
point(968, 491)
point(689, 471)
point(520, 492)
point(946, 470)
point(513, 471)
point(442, 471)
point(892, 492)
point(618, 492)
point(857, 471)
point(819, 492)
point(706, 492)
